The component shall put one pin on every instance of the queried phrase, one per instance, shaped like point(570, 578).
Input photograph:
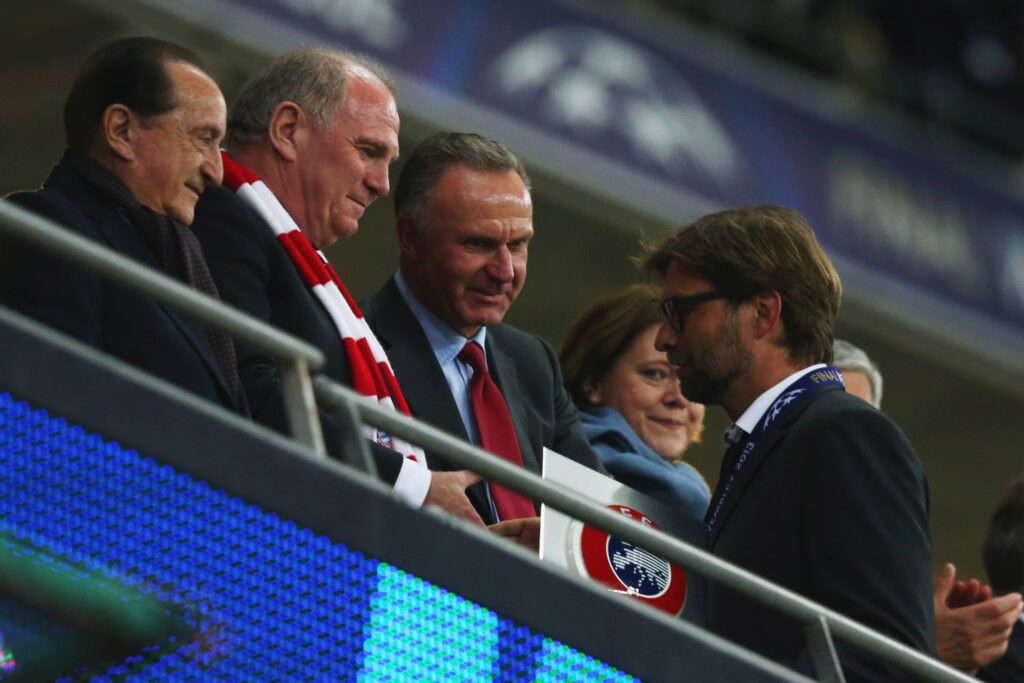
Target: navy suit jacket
point(253, 273)
point(522, 365)
point(834, 507)
point(76, 301)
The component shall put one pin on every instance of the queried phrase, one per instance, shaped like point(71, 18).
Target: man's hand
point(966, 593)
point(448, 491)
point(525, 532)
point(971, 627)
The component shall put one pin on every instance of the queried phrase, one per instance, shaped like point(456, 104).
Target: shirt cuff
point(413, 482)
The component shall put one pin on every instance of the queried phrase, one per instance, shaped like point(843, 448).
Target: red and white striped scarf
point(371, 371)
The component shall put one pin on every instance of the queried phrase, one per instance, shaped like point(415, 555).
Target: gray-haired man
point(464, 219)
point(310, 140)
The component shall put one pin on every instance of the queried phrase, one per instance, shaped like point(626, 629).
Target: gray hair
point(441, 151)
point(313, 78)
point(846, 356)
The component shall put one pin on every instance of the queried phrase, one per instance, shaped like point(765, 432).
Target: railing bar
point(672, 549)
point(45, 233)
point(107, 263)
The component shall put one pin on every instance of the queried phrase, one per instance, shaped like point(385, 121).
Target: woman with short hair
point(631, 406)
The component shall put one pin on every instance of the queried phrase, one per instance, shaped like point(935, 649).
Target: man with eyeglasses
point(818, 491)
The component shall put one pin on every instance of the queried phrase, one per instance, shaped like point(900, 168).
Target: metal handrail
point(585, 509)
point(259, 434)
point(297, 357)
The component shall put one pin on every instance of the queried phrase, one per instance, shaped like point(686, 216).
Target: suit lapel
point(419, 375)
point(764, 450)
point(123, 238)
point(768, 445)
point(503, 370)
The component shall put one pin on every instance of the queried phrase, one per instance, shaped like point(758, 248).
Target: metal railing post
point(300, 405)
point(823, 652)
point(355, 449)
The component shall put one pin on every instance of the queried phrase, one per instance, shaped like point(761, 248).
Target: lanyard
point(796, 394)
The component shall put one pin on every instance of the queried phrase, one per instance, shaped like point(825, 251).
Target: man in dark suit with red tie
point(819, 491)
point(464, 224)
point(144, 124)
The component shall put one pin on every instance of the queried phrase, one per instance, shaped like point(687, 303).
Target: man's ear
point(767, 313)
point(117, 126)
point(287, 130)
point(407, 232)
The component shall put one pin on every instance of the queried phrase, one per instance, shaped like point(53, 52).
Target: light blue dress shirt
point(446, 344)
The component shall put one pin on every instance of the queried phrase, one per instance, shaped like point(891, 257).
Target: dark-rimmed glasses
point(677, 308)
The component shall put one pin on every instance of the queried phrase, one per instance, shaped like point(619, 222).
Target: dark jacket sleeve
point(867, 503)
point(253, 274)
point(45, 286)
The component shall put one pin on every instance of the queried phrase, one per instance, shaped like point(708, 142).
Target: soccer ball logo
point(605, 90)
point(631, 570)
point(642, 573)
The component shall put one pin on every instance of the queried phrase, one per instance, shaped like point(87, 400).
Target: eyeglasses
point(677, 308)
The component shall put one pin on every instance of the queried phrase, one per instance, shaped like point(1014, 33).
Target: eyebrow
point(216, 130)
point(378, 148)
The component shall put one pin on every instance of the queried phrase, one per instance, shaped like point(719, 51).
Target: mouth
point(499, 299)
point(667, 422)
point(362, 205)
point(197, 191)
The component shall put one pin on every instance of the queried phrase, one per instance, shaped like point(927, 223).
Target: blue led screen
point(271, 601)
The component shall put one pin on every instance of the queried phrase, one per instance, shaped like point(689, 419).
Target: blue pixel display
point(272, 601)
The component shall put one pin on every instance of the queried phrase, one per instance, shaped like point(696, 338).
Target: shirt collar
point(444, 341)
point(753, 414)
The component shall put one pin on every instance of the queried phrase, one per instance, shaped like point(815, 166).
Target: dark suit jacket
point(522, 365)
point(1010, 667)
point(835, 507)
point(254, 273)
point(78, 302)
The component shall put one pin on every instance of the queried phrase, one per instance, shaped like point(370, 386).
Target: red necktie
point(497, 434)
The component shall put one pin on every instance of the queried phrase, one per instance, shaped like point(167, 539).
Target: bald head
point(315, 79)
point(320, 128)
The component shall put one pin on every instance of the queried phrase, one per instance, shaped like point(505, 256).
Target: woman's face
point(643, 386)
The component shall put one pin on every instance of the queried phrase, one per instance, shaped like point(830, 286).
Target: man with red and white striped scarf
point(310, 140)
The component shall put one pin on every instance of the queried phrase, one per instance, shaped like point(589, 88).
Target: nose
point(377, 180)
point(673, 396)
point(665, 340)
point(212, 169)
point(500, 267)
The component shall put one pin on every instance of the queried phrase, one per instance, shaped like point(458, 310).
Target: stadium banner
point(665, 121)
